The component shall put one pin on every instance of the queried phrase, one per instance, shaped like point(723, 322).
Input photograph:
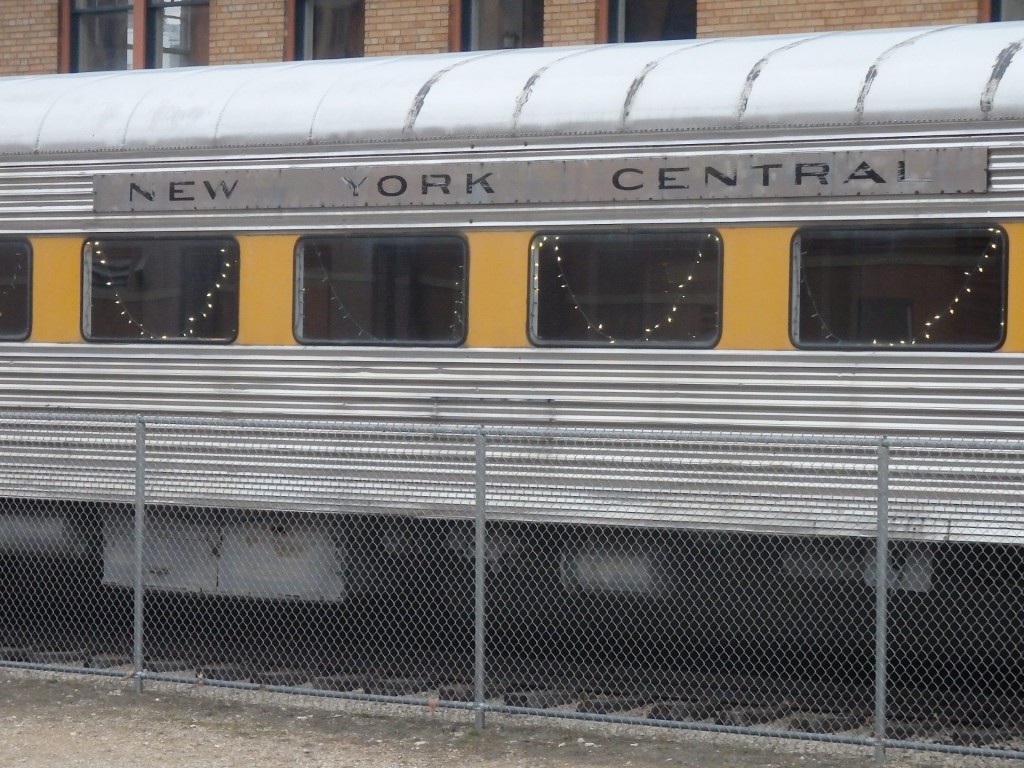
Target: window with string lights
point(160, 289)
point(631, 289)
point(381, 290)
point(899, 288)
point(15, 289)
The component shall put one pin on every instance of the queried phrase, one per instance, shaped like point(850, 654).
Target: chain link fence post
point(140, 533)
point(881, 600)
point(480, 574)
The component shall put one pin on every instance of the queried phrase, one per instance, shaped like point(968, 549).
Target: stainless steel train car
point(807, 233)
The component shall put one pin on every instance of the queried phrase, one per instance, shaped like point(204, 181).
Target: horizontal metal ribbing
point(656, 479)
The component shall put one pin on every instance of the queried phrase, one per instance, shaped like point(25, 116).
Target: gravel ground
point(53, 720)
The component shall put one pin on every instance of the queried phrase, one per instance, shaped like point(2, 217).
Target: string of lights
point(598, 327)
point(923, 333)
point(336, 301)
point(123, 304)
point(455, 327)
point(816, 314)
point(458, 324)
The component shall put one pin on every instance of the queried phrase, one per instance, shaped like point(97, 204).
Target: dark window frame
point(795, 282)
point(299, 13)
point(75, 15)
point(534, 296)
point(86, 286)
point(468, 18)
point(27, 246)
point(615, 14)
point(141, 15)
point(995, 11)
point(152, 45)
point(298, 304)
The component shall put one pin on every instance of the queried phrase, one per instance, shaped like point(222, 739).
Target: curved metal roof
point(870, 78)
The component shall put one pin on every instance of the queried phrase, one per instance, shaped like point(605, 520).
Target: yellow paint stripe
point(498, 288)
point(56, 289)
point(1015, 290)
point(266, 289)
point(755, 288)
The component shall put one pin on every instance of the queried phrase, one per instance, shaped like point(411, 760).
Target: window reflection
point(15, 289)
point(102, 35)
point(381, 290)
point(161, 289)
point(899, 288)
point(629, 289)
point(1007, 10)
point(633, 21)
point(494, 24)
point(330, 29)
point(179, 35)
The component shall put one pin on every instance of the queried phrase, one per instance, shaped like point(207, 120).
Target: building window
point(629, 289)
point(633, 21)
point(160, 289)
point(179, 33)
point(103, 34)
point(911, 288)
point(329, 29)
point(493, 24)
point(1007, 10)
point(381, 290)
point(15, 289)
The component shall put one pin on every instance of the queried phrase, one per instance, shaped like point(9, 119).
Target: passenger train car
point(809, 233)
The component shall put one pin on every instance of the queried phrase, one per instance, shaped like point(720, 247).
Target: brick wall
point(254, 30)
point(244, 31)
point(29, 35)
point(570, 22)
point(716, 18)
point(406, 26)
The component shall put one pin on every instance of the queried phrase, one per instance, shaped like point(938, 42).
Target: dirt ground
point(55, 720)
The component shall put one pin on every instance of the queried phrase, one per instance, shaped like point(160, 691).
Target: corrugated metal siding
point(859, 392)
point(781, 443)
point(1006, 170)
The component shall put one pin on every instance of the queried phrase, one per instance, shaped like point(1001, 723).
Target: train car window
point(15, 289)
point(910, 288)
point(381, 290)
point(626, 288)
point(160, 289)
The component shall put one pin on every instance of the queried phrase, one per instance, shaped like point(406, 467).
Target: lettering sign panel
point(648, 178)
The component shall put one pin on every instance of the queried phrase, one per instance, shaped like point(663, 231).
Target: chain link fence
point(836, 588)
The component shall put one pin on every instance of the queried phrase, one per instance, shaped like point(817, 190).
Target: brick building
point(86, 35)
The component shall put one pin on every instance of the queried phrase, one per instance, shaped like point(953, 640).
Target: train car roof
point(896, 77)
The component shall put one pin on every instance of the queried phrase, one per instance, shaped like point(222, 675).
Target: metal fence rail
point(836, 588)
